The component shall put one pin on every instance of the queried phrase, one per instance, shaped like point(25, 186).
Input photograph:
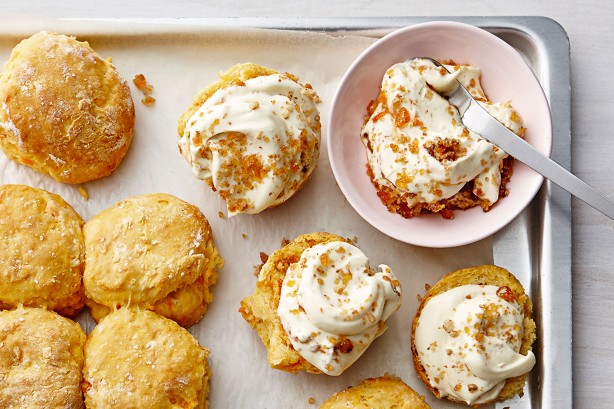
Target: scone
point(64, 111)
point(377, 393)
point(472, 336)
point(318, 304)
point(138, 359)
point(420, 157)
point(41, 251)
point(253, 136)
point(153, 251)
point(41, 359)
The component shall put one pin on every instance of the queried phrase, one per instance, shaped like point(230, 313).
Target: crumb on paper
point(220, 214)
point(312, 401)
point(148, 100)
point(257, 269)
point(141, 84)
point(419, 297)
point(427, 286)
point(263, 257)
point(244, 235)
point(83, 193)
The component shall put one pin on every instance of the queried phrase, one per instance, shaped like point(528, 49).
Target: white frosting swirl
point(410, 122)
point(468, 339)
point(333, 305)
point(255, 142)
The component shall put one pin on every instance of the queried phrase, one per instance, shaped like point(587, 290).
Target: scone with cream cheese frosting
point(153, 251)
point(384, 392)
point(139, 359)
point(41, 359)
point(64, 111)
point(42, 251)
point(472, 336)
point(420, 157)
point(318, 305)
point(253, 136)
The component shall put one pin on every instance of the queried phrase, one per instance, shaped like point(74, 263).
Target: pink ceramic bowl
point(505, 76)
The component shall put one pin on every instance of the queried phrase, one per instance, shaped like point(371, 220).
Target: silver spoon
point(477, 119)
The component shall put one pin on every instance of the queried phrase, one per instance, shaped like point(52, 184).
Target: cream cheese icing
point(415, 139)
point(255, 142)
point(333, 305)
point(468, 340)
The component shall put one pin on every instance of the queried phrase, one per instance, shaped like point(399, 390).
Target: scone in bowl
point(505, 77)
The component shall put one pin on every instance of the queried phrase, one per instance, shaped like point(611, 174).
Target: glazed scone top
point(139, 359)
point(42, 251)
point(332, 305)
point(468, 339)
point(64, 110)
point(145, 247)
point(417, 143)
point(384, 392)
point(253, 140)
point(41, 359)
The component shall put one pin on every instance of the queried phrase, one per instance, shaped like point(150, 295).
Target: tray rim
point(550, 218)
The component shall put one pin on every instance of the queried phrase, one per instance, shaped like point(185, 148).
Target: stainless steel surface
point(478, 120)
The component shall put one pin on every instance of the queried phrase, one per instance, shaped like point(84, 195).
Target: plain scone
point(65, 112)
point(41, 251)
point(152, 251)
point(385, 392)
point(41, 359)
point(260, 308)
point(482, 275)
point(138, 359)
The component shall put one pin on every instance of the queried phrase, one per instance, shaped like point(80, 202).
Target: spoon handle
point(478, 120)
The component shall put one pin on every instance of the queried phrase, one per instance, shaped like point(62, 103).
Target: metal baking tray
point(536, 246)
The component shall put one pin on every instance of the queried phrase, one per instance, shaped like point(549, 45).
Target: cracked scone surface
point(482, 275)
point(383, 392)
point(41, 251)
point(41, 360)
point(138, 359)
point(260, 308)
point(64, 111)
point(153, 251)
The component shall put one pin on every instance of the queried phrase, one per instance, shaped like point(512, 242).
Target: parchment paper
point(178, 60)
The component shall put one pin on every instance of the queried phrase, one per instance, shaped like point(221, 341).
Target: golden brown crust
point(41, 360)
point(378, 393)
point(482, 275)
point(260, 308)
point(154, 251)
point(139, 359)
point(64, 111)
point(41, 251)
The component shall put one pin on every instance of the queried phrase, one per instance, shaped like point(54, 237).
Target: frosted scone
point(377, 393)
point(64, 111)
point(41, 359)
point(41, 251)
point(253, 136)
point(420, 157)
point(472, 336)
point(139, 359)
point(153, 251)
point(318, 305)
